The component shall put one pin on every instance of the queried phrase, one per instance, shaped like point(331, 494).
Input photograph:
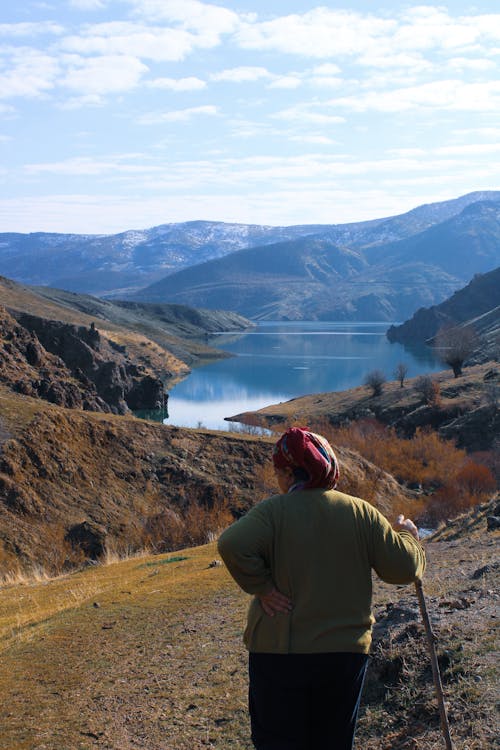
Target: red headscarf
point(300, 448)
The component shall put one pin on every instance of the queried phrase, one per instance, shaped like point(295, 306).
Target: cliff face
point(475, 305)
point(72, 366)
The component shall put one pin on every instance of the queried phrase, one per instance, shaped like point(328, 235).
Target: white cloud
point(321, 32)
point(487, 132)
point(208, 22)
point(445, 95)
point(84, 166)
point(241, 74)
point(285, 82)
point(406, 152)
point(470, 63)
point(87, 4)
point(130, 39)
point(327, 69)
point(408, 40)
point(304, 113)
point(31, 74)
point(104, 75)
point(79, 102)
point(426, 27)
point(178, 84)
point(249, 74)
point(469, 149)
point(179, 115)
point(30, 29)
point(320, 140)
point(401, 61)
point(327, 82)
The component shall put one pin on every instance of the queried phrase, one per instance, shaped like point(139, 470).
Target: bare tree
point(400, 373)
point(454, 346)
point(428, 388)
point(375, 380)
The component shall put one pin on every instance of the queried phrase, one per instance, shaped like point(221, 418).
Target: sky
point(127, 114)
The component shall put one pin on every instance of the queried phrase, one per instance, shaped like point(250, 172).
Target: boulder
point(90, 537)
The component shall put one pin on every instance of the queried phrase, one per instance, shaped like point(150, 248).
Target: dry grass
point(147, 653)
point(18, 411)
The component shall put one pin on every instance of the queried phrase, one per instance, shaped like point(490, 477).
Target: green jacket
point(318, 547)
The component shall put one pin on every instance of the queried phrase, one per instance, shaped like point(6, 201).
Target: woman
point(307, 555)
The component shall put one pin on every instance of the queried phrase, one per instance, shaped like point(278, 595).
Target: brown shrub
point(476, 479)
point(447, 502)
point(429, 389)
point(451, 481)
point(192, 525)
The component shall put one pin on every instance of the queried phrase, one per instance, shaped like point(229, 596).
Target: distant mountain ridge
point(316, 277)
point(107, 264)
point(113, 265)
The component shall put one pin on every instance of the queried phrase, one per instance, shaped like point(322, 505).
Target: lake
point(278, 361)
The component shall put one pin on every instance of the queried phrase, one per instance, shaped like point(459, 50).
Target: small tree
point(400, 373)
point(375, 380)
point(454, 346)
point(429, 389)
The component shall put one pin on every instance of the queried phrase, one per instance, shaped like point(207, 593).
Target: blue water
point(278, 361)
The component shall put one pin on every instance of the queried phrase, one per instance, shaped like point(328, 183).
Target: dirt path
point(153, 660)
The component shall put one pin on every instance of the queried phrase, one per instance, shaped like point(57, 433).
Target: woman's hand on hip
point(274, 602)
point(406, 524)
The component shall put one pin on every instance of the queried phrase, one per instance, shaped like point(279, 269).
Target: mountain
point(317, 278)
point(476, 306)
point(111, 265)
point(266, 282)
point(108, 264)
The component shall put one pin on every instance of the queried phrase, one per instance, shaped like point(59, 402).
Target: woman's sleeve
point(246, 548)
point(397, 557)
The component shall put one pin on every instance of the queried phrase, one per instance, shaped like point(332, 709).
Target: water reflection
point(279, 361)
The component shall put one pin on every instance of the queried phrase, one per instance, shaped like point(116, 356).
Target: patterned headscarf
point(300, 448)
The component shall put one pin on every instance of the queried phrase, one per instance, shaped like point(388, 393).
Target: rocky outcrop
point(28, 368)
point(89, 537)
point(475, 306)
point(72, 366)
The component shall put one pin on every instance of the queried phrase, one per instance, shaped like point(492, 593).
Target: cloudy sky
point(121, 114)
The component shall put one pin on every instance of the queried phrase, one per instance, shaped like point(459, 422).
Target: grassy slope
point(464, 392)
point(158, 664)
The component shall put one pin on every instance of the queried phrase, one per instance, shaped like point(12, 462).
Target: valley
point(119, 627)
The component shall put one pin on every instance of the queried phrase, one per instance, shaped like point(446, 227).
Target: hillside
point(317, 277)
point(273, 282)
point(147, 653)
point(180, 329)
point(86, 482)
point(466, 411)
point(84, 352)
point(475, 306)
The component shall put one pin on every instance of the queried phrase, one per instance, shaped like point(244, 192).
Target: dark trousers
point(305, 701)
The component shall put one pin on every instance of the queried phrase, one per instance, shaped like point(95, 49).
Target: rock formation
point(72, 366)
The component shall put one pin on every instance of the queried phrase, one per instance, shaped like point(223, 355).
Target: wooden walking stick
point(431, 641)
